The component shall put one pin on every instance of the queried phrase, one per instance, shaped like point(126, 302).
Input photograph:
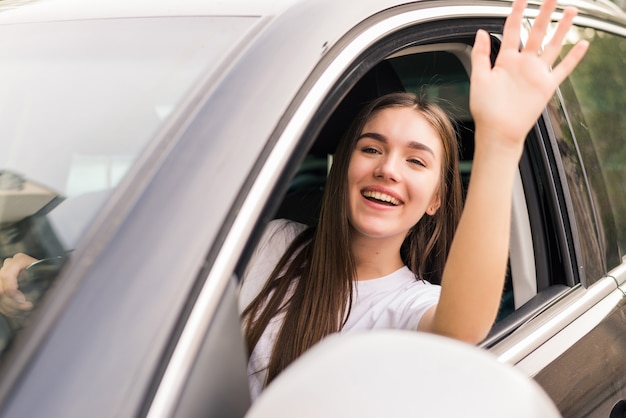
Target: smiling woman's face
point(394, 174)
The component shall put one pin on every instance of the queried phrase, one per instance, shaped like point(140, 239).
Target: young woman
point(391, 221)
point(391, 204)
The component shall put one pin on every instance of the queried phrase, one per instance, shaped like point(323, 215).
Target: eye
point(416, 161)
point(369, 150)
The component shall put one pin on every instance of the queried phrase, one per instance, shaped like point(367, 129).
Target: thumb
point(481, 59)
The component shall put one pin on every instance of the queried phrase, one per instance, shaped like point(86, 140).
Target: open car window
point(442, 70)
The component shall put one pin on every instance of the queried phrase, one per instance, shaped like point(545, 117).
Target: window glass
point(595, 101)
point(79, 101)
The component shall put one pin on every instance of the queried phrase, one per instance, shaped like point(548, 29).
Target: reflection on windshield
point(20, 198)
point(24, 228)
point(79, 101)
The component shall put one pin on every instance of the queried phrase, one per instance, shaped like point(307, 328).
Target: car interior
point(443, 70)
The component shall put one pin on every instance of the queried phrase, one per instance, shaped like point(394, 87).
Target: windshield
point(79, 100)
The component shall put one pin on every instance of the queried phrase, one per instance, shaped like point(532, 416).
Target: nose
point(388, 168)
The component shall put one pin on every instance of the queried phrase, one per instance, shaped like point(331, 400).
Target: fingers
point(513, 26)
point(11, 268)
point(571, 60)
point(14, 304)
point(8, 276)
point(535, 43)
point(549, 52)
point(537, 34)
point(553, 48)
point(12, 301)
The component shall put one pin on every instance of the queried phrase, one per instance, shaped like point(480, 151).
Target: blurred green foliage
point(597, 109)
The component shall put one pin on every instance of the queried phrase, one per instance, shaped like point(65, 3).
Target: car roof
point(15, 11)
point(49, 10)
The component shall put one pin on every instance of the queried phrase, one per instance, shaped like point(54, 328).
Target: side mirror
point(391, 373)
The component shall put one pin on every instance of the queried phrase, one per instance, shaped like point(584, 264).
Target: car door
point(564, 274)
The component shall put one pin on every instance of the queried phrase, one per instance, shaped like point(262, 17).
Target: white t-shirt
point(396, 301)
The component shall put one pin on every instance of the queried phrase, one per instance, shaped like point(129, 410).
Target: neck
point(376, 257)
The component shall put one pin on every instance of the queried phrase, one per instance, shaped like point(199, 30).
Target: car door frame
point(338, 71)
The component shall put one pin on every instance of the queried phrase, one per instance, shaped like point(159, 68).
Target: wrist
point(492, 144)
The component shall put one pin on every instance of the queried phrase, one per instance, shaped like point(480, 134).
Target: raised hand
point(508, 98)
point(505, 101)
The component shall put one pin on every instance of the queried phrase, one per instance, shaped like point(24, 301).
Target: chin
point(379, 230)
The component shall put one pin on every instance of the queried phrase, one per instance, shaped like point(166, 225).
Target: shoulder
point(413, 299)
point(275, 240)
point(278, 235)
point(282, 229)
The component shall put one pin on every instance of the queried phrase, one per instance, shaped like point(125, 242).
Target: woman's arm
point(505, 101)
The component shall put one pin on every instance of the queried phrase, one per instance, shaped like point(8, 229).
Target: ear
point(434, 205)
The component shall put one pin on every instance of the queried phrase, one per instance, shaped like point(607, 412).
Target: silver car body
point(147, 301)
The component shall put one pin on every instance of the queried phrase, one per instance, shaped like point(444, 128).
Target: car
point(146, 145)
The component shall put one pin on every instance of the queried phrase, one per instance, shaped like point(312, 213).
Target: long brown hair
point(312, 283)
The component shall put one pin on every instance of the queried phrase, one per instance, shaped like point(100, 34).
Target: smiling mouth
point(382, 198)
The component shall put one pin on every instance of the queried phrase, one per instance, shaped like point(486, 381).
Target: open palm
point(510, 96)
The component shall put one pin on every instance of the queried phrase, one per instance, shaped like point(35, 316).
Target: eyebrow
point(381, 138)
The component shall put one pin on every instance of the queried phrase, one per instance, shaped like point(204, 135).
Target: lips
point(382, 197)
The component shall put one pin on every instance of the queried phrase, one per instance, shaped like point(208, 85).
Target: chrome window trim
point(569, 335)
point(594, 23)
point(184, 354)
point(581, 20)
point(619, 273)
point(592, 302)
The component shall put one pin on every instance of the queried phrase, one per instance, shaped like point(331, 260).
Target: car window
point(442, 71)
point(595, 99)
point(80, 101)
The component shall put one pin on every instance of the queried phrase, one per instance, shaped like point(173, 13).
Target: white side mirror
point(394, 373)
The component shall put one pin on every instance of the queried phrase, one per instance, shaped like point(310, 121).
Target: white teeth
point(382, 197)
